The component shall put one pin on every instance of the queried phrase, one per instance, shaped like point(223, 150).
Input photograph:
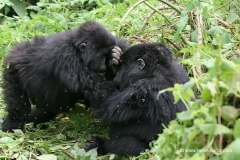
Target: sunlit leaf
point(47, 157)
point(206, 95)
point(236, 130)
point(185, 115)
point(233, 151)
point(226, 38)
point(182, 23)
point(232, 17)
point(229, 113)
point(215, 129)
point(19, 7)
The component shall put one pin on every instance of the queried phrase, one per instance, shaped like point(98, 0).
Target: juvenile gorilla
point(134, 112)
point(53, 72)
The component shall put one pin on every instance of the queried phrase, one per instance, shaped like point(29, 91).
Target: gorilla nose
point(102, 72)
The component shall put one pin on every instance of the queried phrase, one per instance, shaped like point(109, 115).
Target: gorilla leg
point(123, 146)
point(17, 102)
point(39, 115)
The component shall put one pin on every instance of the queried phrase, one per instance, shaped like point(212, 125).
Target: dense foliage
point(204, 36)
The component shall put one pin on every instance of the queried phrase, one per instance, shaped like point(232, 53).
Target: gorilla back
point(53, 72)
point(134, 112)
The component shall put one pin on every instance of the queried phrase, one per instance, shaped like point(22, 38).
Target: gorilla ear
point(141, 63)
point(82, 46)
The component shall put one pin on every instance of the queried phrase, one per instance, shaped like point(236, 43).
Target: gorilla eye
point(141, 63)
point(82, 46)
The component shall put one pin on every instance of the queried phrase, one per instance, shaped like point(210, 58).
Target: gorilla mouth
point(102, 72)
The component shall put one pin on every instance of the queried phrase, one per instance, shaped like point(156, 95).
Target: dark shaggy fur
point(53, 72)
point(134, 112)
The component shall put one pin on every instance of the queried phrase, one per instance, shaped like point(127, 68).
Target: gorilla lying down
point(53, 72)
point(134, 112)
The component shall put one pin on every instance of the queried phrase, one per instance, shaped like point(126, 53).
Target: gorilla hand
point(116, 54)
point(115, 60)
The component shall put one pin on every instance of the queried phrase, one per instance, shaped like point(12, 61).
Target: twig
point(172, 43)
point(151, 14)
point(156, 10)
point(171, 5)
point(68, 154)
point(224, 5)
point(225, 24)
point(200, 40)
point(174, 26)
point(126, 14)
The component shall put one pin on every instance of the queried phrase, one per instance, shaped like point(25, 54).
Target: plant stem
point(171, 5)
point(126, 14)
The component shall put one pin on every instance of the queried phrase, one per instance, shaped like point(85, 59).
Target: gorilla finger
point(118, 50)
point(115, 55)
point(115, 61)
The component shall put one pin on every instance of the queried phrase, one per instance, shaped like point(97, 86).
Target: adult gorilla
point(53, 72)
point(134, 112)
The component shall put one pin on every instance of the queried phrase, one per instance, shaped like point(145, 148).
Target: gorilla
point(52, 72)
point(134, 112)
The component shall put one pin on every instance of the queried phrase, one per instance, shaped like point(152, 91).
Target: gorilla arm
point(122, 106)
point(139, 102)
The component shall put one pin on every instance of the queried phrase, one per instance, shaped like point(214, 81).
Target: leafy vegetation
point(204, 36)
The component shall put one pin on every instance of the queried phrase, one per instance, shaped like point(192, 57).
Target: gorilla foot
point(95, 142)
point(9, 125)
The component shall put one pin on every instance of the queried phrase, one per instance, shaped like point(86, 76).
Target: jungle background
point(203, 35)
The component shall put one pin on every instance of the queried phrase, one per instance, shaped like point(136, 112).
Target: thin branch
point(156, 10)
point(171, 5)
point(225, 24)
point(126, 14)
point(224, 5)
point(174, 26)
point(167, 39)
point(151, 14)
point(200, 39)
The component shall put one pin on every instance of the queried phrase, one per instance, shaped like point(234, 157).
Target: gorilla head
point(91, 38)
point(144, 61)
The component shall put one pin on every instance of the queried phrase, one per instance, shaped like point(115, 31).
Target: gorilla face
point(140, 61)
point(95, 51)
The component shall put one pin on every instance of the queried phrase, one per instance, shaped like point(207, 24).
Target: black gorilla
point(134, 112)
point(53, 72)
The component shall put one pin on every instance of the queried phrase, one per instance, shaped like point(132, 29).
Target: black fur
point(134, 112)
point(53, 72)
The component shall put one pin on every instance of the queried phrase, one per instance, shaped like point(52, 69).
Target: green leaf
point(226, 38)
point(92, 153)
point(205, 12)
point(47, 157)
point(215, 30)
point(233, 151)
point(185, 115)
point(182, 23)
point(132, 2)
point(206, 95)
point(228, 65)
point(190, 6)
point(212, 88)
point(232, 17)
point(19, 7)
point(194, 36)
point(236, 131)
point(229, 113)
point(215, 129)
point(79, 116)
